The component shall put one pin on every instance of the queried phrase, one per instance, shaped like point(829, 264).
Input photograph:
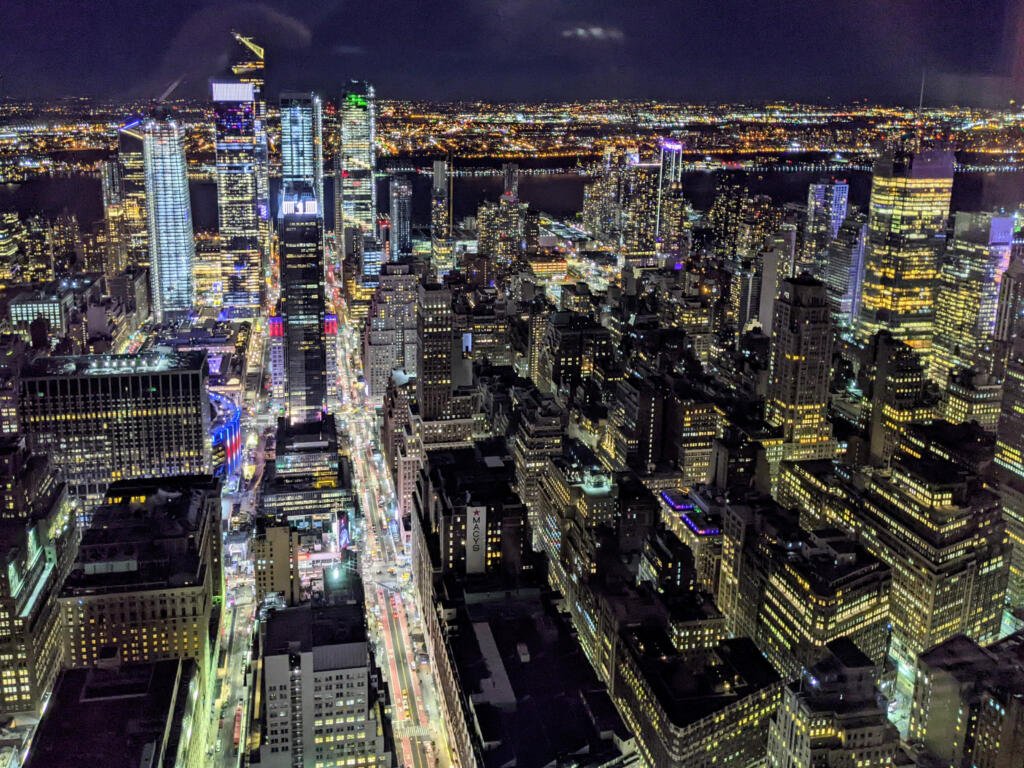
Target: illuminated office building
point(442, 249)
point(942, 534)
point(400, 194)
point(302, 152)
point(112, 188)
point(147, 576)
point(894, 384)
point(434, 351)
point(968, 705)
point(303, 308)
point(834, 715)
point(972, 395)
point(248, 67)
point(538, 436)
point(670, 175)
point(844, 269)
point(800, 368)
point(826, 212)
point(1010, 303)
point(111, 417)
point(39, 545)
point(131, 159)
point(11, 257)
point(965, 315)
point(275, 549)
point(663, 697)
point(793, 591)
point(760, 219)
point(169, 217)
point(906, 228)
point(1010, 430)
point(235, 126)
point(308, 651)
point(355, 186)
point(602, 212)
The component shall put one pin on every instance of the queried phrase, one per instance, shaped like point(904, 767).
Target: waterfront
point(559, 193)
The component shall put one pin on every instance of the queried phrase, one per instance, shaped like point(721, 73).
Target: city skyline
point(625, 433)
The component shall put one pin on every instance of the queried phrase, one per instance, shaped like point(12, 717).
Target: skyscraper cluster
point(658, 483)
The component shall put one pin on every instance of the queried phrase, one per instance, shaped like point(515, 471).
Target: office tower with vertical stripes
point(302, 153)
point(237, 193)
point(844, 269)
point(248, 67)
point(303, 306)
point(400, 194)
point(355, 188)
point(169, 216)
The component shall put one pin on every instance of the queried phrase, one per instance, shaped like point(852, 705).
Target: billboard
point(476, 539)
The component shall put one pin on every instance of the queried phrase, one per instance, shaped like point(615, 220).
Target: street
point(387, 578)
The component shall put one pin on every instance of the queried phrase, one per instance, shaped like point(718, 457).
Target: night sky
point(699, 50)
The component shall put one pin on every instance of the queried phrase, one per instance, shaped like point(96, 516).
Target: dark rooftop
point(113, 717)
point(696, 686)
point(306, 627)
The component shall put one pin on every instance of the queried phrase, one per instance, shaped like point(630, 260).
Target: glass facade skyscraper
point(355, 189)
point(301, 234)
point(826, 212)
point(237, 193)
point(132, 168)
point(968, 289)
point(302, 152)
point(172, 247)
point(400, 193)
point(248, 67)
point(441, 247)
point(906, 228)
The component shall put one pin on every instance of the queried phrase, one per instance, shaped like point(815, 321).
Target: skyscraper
point(844, 269)
point(434, 355)
point(130, 157)
point(112, 188)
point(965, 313)
point(826, 212)
point(302, 152)
point(355, 189)
point(906, 226)
point(302, 302)
point(169, 216)
point(800, 367)
point(441, 248)
point(147, 578)
point(237, 193)
point(1010, 432)
point(248, 67)
point(400, 193)
point(834, 715)
point(640, 195)
point(315, 648)
point(105, 418)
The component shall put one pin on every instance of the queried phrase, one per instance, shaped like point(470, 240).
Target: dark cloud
point(595, 33)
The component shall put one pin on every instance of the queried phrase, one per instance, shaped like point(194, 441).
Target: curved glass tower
point(171, 243)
